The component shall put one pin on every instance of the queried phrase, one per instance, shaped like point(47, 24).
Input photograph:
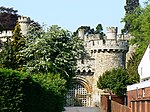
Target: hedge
point(20, 92)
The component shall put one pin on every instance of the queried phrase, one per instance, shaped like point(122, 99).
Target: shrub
point(114, 81)
point(11, 92)
point(20, 92)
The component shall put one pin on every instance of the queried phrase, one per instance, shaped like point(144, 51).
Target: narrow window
point(82, 61)
point(93, 43)
point(143, 92)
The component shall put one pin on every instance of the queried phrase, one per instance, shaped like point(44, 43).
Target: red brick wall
point(147, 92)
point(104, 103)
point(139, 100)
point(116, 104)
point(140, 106)
point(138, 95)
point(117, 107)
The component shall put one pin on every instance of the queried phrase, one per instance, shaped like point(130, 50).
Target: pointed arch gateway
point(80, 93)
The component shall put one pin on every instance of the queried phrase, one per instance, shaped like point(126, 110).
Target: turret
point(81, 33)
point(24, 22)
point(112, 33)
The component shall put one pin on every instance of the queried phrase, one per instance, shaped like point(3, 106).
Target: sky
point(71, 14)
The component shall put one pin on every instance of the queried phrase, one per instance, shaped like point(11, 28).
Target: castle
point(23, 22)
point(103, 53)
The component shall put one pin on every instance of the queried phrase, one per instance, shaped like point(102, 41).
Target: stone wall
point(103, 53)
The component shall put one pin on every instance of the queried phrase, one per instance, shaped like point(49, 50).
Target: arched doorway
point(79, 93)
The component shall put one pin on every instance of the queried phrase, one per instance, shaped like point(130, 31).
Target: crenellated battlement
point(6, 33)
point(110, 42)
point(112, 33)
point(109, 45)
point(112, 29)
point(23, 19)
point(101, 44)
point(92, 37)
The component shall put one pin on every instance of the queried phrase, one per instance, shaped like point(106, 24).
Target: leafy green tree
point(130, 8)
point(132, 67)
point(99, 28)
point(54, 50)
point(140, 23)
point(131, 5)
point(10, 54)
point(114, 81)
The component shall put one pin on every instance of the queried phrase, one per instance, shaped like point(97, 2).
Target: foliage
point(131, 5)
point(8, 18)
point(20, 92)
point(11, 95)
point(114, 81)
point(10, 54)
point(130, 8)
point(55, 90)
point(140, 24)
point(88, 30)
point(132, 67)
point(99, 30)
point(54, 50)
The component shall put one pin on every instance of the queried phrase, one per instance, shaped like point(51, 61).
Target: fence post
point(109, 103)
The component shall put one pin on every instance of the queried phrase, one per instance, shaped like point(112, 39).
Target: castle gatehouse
point(103, 53)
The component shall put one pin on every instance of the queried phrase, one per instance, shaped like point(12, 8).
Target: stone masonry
point(103, 53)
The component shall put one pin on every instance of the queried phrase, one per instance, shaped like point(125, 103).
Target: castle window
point(93, 43)
point(84, 72)
point(82, 61)
point(89, 72)
point(78, 72)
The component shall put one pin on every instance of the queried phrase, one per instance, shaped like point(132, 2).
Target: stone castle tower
point(103, 53)
point(24, 23)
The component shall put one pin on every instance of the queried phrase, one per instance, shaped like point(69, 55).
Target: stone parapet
point(23, 19)
point(6, 33)
point(109, 45)
point(112, 33)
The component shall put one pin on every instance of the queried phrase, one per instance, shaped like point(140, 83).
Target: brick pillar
point(146, 106)
point(140, 106)
point(136, 106)
point(131, 104)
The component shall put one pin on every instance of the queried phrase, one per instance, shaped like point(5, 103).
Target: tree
point(54, 50)
point(10, 55)
point(140, 22)
point(114, 81)
point(8, 18)
point(131, 5)
point(130, 8)
point(99, 28)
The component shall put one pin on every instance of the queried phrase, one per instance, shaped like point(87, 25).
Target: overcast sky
point(71, 14)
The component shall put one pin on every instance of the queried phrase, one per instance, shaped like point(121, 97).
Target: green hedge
point(20, 92)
